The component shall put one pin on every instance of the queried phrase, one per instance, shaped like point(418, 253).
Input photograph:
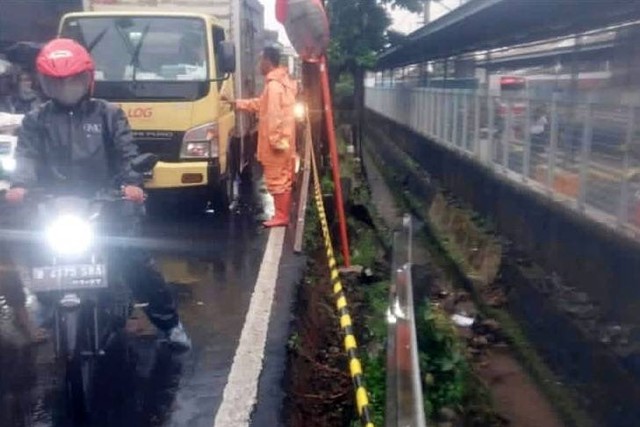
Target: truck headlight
point(200, 142)
point(69, 235)
point(197, 149)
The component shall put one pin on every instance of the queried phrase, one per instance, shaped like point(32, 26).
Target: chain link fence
point(585, 155)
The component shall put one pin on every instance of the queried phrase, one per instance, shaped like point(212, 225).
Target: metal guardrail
point(584, 155)
point(405, 404)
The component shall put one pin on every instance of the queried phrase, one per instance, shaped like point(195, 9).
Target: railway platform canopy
point(489, 24)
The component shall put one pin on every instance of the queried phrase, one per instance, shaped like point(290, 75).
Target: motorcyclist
point(75, 144)
point(24, 96)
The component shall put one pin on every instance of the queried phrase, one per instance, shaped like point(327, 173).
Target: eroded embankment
point(320, 391)
point(557, 330)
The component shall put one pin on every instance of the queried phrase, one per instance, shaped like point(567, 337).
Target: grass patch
point(443, 363)
point(365, 248)
point(377, 299)
point(374, 359)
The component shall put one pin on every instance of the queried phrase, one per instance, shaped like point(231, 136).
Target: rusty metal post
point(335, 161)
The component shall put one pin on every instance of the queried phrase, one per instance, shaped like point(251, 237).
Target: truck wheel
point(226, 196)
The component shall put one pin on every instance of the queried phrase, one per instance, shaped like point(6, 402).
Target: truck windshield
point(127, 49)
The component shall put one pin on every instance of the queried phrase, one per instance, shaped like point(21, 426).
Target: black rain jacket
point(75, 151)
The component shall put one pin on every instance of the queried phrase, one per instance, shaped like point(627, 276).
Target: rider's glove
point(133, 193)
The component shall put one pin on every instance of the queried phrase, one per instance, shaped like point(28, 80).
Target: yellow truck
point(169, 71)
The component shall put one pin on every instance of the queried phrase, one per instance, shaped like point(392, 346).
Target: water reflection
point(136, 391)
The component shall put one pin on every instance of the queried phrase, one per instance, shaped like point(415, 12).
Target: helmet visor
point(66, 90)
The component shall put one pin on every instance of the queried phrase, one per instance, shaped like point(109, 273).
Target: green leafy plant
point(442, 361)
point(293, 343)
point(374, 367)
point(326, 183)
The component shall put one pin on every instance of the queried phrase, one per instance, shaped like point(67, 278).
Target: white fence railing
point(584, 155)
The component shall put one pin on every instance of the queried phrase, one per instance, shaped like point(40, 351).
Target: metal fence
point(405, 404)
point(584, 155)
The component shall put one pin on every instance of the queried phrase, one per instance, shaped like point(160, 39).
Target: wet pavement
point(213, 266)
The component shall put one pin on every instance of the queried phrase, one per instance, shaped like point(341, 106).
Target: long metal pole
point(236, 34)
point(585, 157)
point(623, 209)
point(304, 189)
point(335, 162)
point(426, 13)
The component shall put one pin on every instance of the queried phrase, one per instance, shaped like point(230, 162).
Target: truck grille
point(166, 145)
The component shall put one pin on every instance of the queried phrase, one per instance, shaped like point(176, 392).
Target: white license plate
point(68, 277)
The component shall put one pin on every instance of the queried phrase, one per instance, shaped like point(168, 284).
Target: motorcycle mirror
point(144, 163)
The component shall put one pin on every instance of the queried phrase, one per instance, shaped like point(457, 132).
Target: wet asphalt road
point(213, 262)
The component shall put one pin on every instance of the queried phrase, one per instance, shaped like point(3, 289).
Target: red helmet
point(66, 71)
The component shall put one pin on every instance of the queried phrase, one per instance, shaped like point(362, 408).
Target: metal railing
point(404, 405)
point(586, 155)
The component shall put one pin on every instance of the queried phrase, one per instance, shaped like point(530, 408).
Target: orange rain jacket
point(276, 128)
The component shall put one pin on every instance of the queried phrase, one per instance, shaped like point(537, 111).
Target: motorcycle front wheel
point(78, 383)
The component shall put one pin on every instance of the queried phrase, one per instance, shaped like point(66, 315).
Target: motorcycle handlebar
point(36, 195)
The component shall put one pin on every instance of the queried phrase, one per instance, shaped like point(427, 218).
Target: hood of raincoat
point(281, 75)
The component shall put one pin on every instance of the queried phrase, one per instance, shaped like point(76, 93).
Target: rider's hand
point(15, 195)
point(133, 194)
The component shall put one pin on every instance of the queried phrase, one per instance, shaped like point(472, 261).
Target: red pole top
point(307, 26)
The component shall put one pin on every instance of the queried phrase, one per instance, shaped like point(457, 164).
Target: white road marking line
point(240, 393)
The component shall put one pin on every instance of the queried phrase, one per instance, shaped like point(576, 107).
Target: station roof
point(490, 24)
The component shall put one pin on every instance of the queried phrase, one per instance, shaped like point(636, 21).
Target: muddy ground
point(319, 387)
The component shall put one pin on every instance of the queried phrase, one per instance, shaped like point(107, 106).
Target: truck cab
point(168, 72)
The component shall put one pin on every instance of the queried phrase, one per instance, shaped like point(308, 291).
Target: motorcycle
point(69, 274)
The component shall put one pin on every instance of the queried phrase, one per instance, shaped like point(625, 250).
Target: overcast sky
point(402, 21)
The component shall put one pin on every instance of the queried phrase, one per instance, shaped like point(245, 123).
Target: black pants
point(138, 269)
point(140, 273)
point(11, 288)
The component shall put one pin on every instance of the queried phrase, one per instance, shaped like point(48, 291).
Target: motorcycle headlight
point(8, 164)
point(69, 235)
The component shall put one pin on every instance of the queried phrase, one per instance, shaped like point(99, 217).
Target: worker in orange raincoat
point(276, 132)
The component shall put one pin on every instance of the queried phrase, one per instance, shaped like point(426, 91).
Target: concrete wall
point(596, 362)
point(589, 256)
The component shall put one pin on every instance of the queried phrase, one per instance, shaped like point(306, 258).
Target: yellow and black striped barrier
point(350, 344)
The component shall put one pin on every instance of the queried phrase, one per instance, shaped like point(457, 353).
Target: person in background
point(12, 289)
point(5, 77)
point(276, 132)
point(24, 96)
point(539, 130)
